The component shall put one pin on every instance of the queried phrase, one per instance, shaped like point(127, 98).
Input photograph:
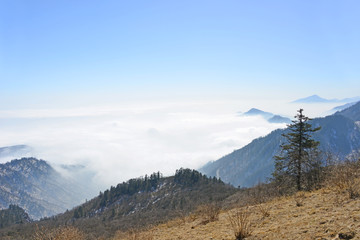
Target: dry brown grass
point(322, 214)
point(60, 233)
point(332, 212)
point(134, 234)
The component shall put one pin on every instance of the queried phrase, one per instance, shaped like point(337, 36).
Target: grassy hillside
point(332, 212)
point(322, 214)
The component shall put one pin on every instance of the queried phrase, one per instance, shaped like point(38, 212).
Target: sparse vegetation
point(264, 209)
point(240, 223)
point(260, 197)
point(299, 198)
point(209, 212)
point(345, 177)
point(59, 233)
point(134, 234)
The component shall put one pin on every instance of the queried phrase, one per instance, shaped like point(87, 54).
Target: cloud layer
point(130, 140)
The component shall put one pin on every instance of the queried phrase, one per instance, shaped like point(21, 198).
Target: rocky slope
point(36, 187)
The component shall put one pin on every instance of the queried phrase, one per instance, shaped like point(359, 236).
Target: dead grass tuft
point(261, 205)
point(264, 209)
point(240, 224)
point(299, 198)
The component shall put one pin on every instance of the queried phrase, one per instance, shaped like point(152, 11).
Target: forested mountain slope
point(13, 215)
point(339, 134)
point(138, 203)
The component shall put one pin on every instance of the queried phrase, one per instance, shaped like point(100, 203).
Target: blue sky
point(92, 50)
point(131, 87)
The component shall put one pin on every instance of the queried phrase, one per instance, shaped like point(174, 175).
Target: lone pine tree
point(299, 152)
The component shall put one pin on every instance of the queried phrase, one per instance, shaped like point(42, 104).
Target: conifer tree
point(298, 153)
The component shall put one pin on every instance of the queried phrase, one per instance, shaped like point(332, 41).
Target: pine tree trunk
point(298, 176)
point(300, 158)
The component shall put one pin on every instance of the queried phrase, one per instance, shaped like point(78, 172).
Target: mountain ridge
point(254, 162)
point(139, 202)
point(317, 99)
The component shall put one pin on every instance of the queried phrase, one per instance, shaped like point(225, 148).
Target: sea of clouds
point(118, 142)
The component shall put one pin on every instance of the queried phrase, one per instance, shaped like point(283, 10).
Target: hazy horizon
point(119, 142)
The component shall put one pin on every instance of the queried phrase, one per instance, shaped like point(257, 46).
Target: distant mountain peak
point(313, 99)
point(255, 111)
point(317, 99)
point(270, 117)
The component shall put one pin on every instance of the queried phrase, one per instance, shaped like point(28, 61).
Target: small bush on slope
point(345, 177)
point(240, 224)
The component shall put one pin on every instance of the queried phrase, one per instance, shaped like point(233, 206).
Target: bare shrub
point(69, 233)
point(264, 210)
point(240, 224)
point(134, 234)
point(137, 235)
point(60, 233)
point(346, 177)
point(41, 234)
point(209, 212)
point(261, 206)
point(299, 198)
point(260, 200)
point(193, 217)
